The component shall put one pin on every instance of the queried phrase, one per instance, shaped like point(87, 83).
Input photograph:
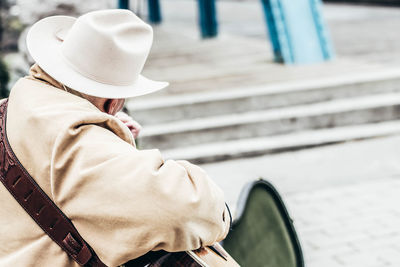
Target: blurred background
point(302, 93)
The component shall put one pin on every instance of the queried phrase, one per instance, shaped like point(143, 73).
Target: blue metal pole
point(208, 18)
point(154, 11)
point(271, 23)
point(124, 4)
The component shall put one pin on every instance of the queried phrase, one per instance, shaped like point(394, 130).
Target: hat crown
point(108, 46)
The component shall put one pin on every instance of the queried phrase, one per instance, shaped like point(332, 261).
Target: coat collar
point(36, 73)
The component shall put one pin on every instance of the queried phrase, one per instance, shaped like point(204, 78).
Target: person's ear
point(112, 106)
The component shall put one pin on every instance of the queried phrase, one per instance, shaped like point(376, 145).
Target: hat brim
point(45, 49)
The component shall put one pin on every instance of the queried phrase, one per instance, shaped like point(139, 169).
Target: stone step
point(329, 114)
point(190, 106)
point(219, 151)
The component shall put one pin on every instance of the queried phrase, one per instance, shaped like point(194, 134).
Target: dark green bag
point(263, 234)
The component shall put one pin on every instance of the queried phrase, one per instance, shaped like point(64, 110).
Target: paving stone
point(363, 239)
point(325, 262)
point(351, 219)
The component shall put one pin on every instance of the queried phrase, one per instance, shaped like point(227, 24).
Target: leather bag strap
point(38, 205)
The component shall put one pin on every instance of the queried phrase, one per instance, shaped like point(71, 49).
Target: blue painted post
point(325, 42)
point(154, 11)
point(208, 18)
point(272, 30)
point(124, 4)
point(297, 31)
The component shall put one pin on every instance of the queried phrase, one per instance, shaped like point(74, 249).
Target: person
point(62, 127)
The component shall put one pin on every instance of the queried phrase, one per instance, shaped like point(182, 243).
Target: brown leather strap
point(38, 205)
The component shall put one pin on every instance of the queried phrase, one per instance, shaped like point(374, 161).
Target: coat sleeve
point(125, 202)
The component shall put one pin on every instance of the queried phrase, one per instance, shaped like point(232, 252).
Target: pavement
point(343, 198)
point(355, 225)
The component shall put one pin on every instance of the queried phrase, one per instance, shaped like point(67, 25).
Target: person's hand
point(133, 125)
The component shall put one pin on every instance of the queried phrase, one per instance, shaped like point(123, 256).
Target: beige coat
point(123, 201)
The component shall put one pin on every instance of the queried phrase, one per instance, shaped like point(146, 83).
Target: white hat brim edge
point(45, 49)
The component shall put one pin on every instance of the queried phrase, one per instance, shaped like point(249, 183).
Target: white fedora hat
point(101, 53)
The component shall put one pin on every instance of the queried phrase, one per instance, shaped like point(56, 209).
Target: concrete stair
point(208, 104)
point(248, 122)
point(220, 151)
